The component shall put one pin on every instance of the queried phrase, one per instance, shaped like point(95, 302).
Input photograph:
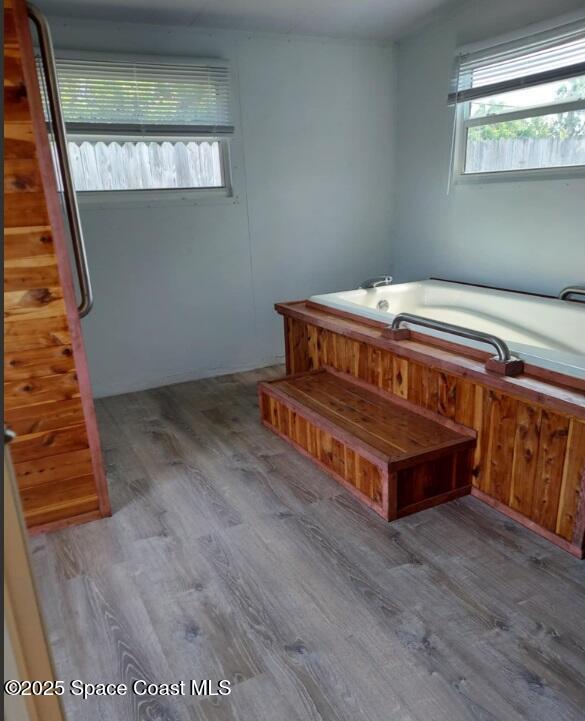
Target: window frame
point(463, 123)
point(168, 196)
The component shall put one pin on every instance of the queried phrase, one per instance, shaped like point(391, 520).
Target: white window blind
point(546, 57)
point(126, 98)
point(520, 106)
point(142, 126)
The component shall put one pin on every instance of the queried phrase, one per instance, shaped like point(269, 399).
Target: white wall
point(528, 235)
point(185, 291)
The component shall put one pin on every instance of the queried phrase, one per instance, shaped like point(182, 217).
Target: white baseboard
point(116, 388)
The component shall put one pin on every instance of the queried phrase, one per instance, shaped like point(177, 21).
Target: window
point(521, 106)
point(145, 126)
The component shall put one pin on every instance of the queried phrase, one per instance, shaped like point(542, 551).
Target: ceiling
point(375, 19)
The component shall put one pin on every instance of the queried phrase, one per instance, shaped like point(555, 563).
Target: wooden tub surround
point(396, 458)
point(529, 456)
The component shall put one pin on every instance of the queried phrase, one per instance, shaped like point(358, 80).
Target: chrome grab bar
point(571, 290)
point(71, 208)
point(502, 351)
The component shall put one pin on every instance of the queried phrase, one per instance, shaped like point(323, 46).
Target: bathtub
point(543, 332)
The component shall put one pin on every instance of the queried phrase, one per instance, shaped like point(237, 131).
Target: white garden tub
point(543, 332)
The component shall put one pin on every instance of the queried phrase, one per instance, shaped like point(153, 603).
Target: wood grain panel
point(524, 465)
point(480, 417)
point(549, 471)
point(19, 140)
point(34, 303)
point(399, 366)
point(34, 333)
point(25, 273)
point(49, 416)
point(10, 36)
point(572, 488)
point(72, 464)
point(374, 374)
point(25, 205)
point(67, 498)
point(28, 242)
point(43, 389)
point(500, 452)
point(49, 443)
point(297, 346)
point(415, 391)
point(21, 176)
point(419, 486)
point(430, 388)
point(13, 75)
point(47, 397)
point(312, 346)
point(465, 402)
point(15, 100)
point(446, 395)
point(38, 362)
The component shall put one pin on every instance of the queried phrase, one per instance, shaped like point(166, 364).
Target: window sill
point(503, 176)
point(155, 198)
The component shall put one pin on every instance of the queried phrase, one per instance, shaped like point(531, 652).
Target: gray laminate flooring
point(229, 556)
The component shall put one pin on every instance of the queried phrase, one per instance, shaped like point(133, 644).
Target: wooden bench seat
point(394, 456)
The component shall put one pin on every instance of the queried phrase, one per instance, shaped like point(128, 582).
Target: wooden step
point(396, 457)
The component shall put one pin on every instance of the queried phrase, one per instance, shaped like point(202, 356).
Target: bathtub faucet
point(376, 282)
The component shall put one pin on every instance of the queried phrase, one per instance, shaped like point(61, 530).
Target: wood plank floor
point(230, 556)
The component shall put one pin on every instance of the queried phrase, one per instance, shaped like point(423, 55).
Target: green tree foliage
point(570, 124)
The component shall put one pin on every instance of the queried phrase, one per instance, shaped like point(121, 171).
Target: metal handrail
point(58, 124)
point(502, 350)
point(571, 290)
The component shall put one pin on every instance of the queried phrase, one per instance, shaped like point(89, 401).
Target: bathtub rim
point(561, 371)
point(546, 296)
point(531, 370)
point(541, 385)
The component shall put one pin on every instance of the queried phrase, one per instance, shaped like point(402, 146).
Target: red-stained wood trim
point(299, 374)
point(380, 324)
point(524, 387)
point(397, 333)
point(572, 548)
point(61, 251)
point(513, 367)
